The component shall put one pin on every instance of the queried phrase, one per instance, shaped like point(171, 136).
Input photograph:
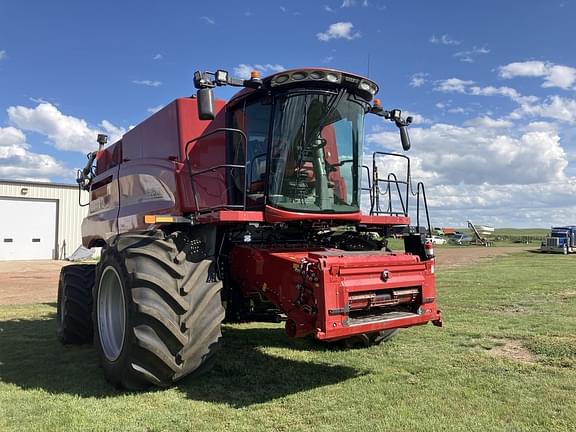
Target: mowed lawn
point(505, 360)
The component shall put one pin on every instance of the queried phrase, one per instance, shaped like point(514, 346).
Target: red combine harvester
point(244, 211)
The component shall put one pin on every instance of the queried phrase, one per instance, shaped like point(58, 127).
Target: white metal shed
point(39, 220)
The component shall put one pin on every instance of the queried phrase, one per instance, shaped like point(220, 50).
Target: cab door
point(253, 118)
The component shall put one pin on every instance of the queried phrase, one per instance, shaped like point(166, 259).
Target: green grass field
point(505, 360)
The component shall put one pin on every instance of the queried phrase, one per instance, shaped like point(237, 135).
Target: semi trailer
point(246, 210)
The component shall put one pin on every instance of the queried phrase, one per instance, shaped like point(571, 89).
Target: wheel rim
point(111, 313)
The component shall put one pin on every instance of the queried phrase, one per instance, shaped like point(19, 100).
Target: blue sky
point(490, 83)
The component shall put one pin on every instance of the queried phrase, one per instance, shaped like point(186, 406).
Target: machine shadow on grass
point(32, 358)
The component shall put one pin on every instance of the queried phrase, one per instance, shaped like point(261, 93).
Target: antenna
point(368, 72)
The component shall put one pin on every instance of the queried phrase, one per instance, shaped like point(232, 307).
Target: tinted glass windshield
point(316, 142)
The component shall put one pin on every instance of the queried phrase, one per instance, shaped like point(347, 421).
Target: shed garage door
point(27, 229)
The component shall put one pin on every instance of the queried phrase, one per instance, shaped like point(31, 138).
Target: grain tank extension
point(247, 210)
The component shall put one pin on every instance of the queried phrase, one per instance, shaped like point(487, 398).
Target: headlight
point(368, 86)
point(314, 75)
point(332, 77)
point(299, 76)
point(280, 79)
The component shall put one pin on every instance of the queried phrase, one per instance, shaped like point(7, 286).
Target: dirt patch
point(23, 282)
point(567, 296)
point(511, 309)
point(513, 350)
point(458, 256)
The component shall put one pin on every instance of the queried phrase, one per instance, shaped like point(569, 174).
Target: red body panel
point(329, 292)
point(223, 216)
point(211, 187)
point(274, 215)
point(384, 220)
point(145, 173)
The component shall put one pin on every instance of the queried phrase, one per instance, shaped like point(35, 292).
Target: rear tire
point(74, 310)
point(157, 314)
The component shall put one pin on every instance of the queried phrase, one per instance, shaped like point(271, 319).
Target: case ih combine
point(244, 211)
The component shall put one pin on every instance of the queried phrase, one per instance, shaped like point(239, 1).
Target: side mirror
point(404, 137)
point(205, 101)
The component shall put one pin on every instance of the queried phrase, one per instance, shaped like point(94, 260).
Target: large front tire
point(157, 314)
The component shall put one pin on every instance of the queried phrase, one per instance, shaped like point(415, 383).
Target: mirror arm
point(395, 115)
point(84, 178)
point(206, 81)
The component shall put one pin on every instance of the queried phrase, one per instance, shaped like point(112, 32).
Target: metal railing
point(214, 168)
point(402, 188)
point(369, 188)
point(391, 180)
point(420, 188)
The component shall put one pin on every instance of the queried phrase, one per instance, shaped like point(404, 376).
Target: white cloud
point(469, 56)
point(501, 91)
point(18, 162)
point(65, 132)
point(416, 117)
point(418, 79)
point(489, 123)
point(528, 68)
point(41, 100)
point(2, 55)
point(243, 70)
point(453, 85)
point(445, 154)
point(560, 76)
point(444, 40)
point(541, 126)
point(503, 205)
point(554, 107)
point(456, 85)
point(339, 30)
point(457, 110)
point(352, 3)
point(554, 75)
point(328, 59)
point(148, 83)
point(508, 170)
point(328, 9)
point(248, 13)
point(111, 130)
point(155, 109)
point(208, 20)
point(158, 57)
point(283, 9)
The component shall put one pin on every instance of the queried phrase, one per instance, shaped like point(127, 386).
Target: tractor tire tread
point(74, 314)
point(163, 293)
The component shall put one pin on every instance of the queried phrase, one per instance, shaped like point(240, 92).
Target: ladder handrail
point(391, 178)
point(215, 167)
point(420, 187)
point(369, 188)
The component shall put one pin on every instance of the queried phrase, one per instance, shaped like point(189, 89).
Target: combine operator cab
point(248, 210)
